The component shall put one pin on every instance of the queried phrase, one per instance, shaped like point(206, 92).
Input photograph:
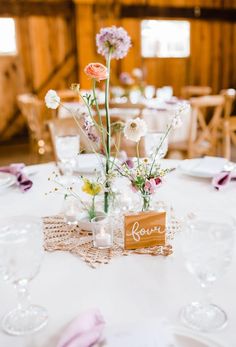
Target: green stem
point(117, 147)
point(99, 116)
point(137, 151)
point(108, 142)
point(159, 147)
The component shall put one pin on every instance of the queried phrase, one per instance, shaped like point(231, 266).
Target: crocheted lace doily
point(59, 236)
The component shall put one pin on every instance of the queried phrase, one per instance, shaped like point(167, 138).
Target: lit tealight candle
point(102, 239)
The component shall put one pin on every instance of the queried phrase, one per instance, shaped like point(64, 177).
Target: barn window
point(165, 38)
point(7, 36)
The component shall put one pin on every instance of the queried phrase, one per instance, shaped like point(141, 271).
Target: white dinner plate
point(6, 180)
point(206, 167)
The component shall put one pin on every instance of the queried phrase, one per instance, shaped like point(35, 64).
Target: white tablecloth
point(127, 289)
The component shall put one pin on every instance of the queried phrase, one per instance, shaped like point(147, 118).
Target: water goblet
point(67, 148)
point(21, 252)
point(207, 247)
point(135, 96)
point(149, 92)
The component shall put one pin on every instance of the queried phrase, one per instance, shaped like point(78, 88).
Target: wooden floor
point(21, 154)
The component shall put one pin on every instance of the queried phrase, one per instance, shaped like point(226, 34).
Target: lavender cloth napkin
point(83, 331)
point(16, 169)
point(222, 179)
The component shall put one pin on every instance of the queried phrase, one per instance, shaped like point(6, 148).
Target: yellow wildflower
point(91, 188)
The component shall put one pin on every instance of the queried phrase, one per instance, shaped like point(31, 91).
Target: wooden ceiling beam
point(204, 13)
point(19, 8)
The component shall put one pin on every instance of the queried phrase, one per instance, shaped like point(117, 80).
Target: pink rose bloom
point(97, 71)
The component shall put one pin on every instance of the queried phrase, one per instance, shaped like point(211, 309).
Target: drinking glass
point(21, 252)
point(208, 248)
point(149, 92)
point(67, 148)
point(135, 96)
point(153, 141)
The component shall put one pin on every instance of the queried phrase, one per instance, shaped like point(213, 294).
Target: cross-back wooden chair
point(230, 96)
point(188, 92)
point(36, 114)
point(205, 128)
point(229, 131)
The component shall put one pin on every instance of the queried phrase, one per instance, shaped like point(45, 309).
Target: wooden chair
point(36, 114)
point(229, 95)
point(68, 126)
point(119, 142)
point(68, 95)
point(188, 92)
point(117, 115)
point(205, 129)
point(229, 131)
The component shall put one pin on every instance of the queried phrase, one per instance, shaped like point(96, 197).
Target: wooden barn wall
point(47, 55)
point(46, 58)
point(211, 62)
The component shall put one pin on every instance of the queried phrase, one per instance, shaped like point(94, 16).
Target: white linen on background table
point(156, 117)
point(129, 288)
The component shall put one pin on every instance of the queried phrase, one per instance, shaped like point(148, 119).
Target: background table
point(129, 288)
point(157, 116)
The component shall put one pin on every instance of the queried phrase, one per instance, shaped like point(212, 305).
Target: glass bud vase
point(146, 202)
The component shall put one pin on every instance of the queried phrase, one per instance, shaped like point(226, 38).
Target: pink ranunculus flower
point(158, 181)
point(150, 186)
point(97, 71)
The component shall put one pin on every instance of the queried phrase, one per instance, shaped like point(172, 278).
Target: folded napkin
point(16, 169)
point(84, 331)
point(223, 178)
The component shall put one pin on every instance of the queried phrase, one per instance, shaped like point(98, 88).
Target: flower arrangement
point(112, 43)
point(145, 175)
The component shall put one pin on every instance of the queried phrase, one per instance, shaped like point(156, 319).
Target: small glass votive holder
point(102, 227)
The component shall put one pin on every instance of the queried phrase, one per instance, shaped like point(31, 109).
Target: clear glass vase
point(146, 202)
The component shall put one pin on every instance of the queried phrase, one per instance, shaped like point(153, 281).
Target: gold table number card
point(145, 229)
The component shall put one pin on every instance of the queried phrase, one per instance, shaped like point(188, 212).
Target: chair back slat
point(204, 135)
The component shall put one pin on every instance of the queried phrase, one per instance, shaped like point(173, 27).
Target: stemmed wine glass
point(207, 245)
point(21, 252)
point(152, 141)
point(149, 92)
point(67, 148)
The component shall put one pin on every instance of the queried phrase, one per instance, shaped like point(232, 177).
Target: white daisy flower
point(135, 129)
point(52, 100)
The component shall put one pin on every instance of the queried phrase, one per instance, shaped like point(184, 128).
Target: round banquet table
point(127, 289)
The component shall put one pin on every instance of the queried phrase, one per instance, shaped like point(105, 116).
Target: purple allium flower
point(114, 40)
